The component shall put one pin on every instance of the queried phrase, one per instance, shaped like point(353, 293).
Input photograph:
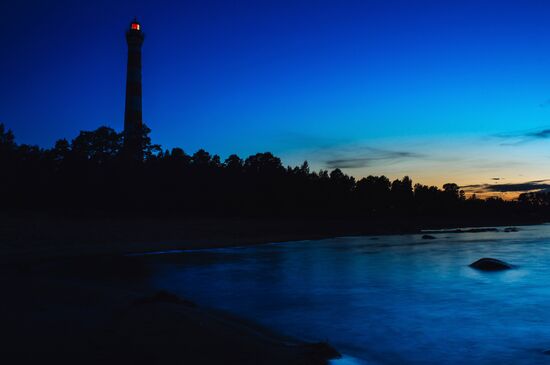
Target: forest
point(90, 175)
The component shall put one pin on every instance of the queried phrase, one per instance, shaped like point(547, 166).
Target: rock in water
point(488, 264)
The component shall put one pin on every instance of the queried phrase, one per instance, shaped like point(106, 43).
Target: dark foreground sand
point(70, 296)
point(99, 310)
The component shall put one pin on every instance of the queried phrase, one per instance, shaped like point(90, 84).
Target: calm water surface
point(387, 299)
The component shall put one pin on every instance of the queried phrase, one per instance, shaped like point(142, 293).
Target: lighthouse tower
point(133, 123)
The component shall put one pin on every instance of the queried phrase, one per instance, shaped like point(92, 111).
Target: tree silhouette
point(99, 146)
point(90, 174)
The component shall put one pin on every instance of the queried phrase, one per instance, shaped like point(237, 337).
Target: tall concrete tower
point(133, 122)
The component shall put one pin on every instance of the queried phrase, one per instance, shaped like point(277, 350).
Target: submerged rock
point(428, 237)
point(461, 230)
point(489, 264)
point(479, 230)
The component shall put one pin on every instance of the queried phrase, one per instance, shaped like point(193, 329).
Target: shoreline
point(100, 309)
point(28, 237)
point(53, 266)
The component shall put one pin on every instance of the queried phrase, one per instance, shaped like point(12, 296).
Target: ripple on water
point(348, 360)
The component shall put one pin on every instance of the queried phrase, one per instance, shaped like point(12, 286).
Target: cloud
point(542, 134)
point(343, 153)
point(348, 163)
point(524, 137)
point(367, 156)
point(536, 185)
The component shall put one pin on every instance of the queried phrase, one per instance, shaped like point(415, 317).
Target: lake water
point(386, 299)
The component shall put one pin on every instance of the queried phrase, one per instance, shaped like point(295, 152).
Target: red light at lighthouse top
point(134, 35)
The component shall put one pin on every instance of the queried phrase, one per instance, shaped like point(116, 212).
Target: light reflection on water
point(388, 300)
point(347, 360)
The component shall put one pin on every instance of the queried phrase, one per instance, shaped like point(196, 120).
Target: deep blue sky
point(440, 90)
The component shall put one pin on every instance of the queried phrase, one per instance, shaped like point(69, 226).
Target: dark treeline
point(89, 174)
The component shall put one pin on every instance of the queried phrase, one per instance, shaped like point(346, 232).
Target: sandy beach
point(87, 302)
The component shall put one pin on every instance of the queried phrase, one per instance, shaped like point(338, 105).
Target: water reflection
point(389, 300)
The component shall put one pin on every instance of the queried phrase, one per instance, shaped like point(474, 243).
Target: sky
point(441, 91)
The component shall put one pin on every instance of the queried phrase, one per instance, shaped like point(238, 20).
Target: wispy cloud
point(535, 185)
point(368, 156)
point(518, 138)
point(334, 152)
point(542, 134)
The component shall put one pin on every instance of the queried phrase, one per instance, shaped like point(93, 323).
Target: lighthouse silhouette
point(133, 123)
